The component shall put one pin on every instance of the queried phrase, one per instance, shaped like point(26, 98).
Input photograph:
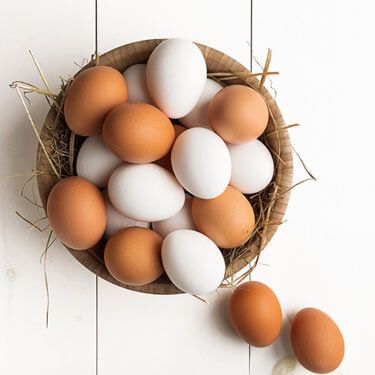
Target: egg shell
point(182, 220)
point(192, 262)
point(76, 212)
point(165, 161)
point(201, 163)
point(176, 75)
point(199, 115)
point(317, 341)
point(255, 313)
point(90, 97)
point(138, 132)
point(95, 161)
point(117, 221)
point(135, 77)
point(132, 256)
point(252, 166)
point(227, 219)
point(145, 192)
point(238, 114)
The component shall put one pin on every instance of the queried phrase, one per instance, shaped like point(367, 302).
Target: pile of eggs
point(168, 194)
point(168, 157)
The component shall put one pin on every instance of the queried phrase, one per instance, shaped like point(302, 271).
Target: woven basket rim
point(138, 52)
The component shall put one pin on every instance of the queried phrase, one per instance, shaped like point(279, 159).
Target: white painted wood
point(146, 334)
point(59, 33)
point(323, 255)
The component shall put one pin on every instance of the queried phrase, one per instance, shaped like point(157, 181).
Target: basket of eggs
point(165, 168)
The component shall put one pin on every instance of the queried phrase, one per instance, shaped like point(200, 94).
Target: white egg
point(135, 77)
point(117, 221)
point(201, 162)
point(199, 115)
point(145, 192)
point(182, 220)
point(95, 161)
point(192, 261)
point(176, 75)
point(252, 166)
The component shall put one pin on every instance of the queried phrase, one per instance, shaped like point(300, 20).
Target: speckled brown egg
point(255, 313)
point(165, 161)
point(133, 256)
point(76, 212)
point(138, 132)
point(90, 97)
point(228, 219)
point(238, 114)
point(317, 341)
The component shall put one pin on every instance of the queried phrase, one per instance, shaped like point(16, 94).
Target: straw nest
point(58, 149)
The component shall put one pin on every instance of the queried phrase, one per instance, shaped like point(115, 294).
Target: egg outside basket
point(274, 199)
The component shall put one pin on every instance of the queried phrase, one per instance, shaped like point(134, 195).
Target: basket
point(277, 141)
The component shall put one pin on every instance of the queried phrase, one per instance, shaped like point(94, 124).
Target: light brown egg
point(165, 161)
point(317, 341)
point(138, 132)
point(76, 212)
point(90, 97)
point(255, 313)
point(238, 114)
point(228, 219)
point(133, 256)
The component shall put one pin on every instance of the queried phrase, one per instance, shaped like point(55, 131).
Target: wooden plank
point(59, 34)
point(322, 256)
point(146, 334)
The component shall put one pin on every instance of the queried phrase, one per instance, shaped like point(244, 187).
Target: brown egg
point(165, 161)
point(91, 96)
point(316, 341)
point(76, 212)
point(255, 313)
point(238, 114)
point(228, 219)
point(133, 256)
point(138, 132)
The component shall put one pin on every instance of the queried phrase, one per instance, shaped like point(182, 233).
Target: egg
point(255, 313)
point(117, 221)
point(228, 219)
point(90, 97)
point(199, 115)
point(165, 161)
point(95, 161)
point(238, 114)
point(252, 166)
point(317, 341)
point(135, 77)
point(192, 262)
point(201, 163)
point(145, 192)
point(132, 256)
point(182, 220)
point(76, 212)
point(138, 132)
point(176, 75)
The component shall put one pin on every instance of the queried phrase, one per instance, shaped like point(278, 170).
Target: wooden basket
point(277, 140)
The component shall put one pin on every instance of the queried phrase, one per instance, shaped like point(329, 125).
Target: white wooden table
point(323, 256)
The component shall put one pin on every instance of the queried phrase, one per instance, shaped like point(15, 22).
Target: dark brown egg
point(90, 97)
point(317, 341)
point(255, 313)
point(138, 132)
point(76, 211)
point(133, 256)
point(238, 114)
